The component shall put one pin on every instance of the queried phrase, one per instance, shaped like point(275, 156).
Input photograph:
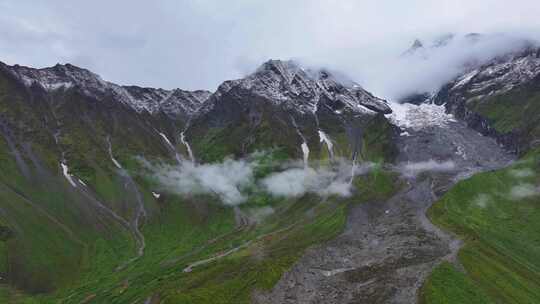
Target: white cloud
point(522, 173)
point(198, 44)
point(224, 180)
point(296, 182)
point(482, 200)
point(230, 179)
point(524, 190)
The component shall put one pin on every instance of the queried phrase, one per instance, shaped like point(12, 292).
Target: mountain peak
point(285, 69)
point(414, 48)
point(417, 44)
point(287, 83)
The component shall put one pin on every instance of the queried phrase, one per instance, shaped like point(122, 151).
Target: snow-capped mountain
point(424, 49)
point(498, 98)
point(287, 84)
point(498, 76)
point(76, 192)
point(175, 102)
point(444, 58)
point(293, 102)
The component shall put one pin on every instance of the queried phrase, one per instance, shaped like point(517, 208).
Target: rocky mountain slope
point(490, 93)
point(281, 104)
point(499, 98)
point(79, 214)
point(175, 102)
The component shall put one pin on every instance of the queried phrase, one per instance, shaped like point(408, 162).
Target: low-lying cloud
point(522, 173)
point(524, 190)
point(430, 67)
point(482, 200)
point(296, 182)
point(224, 180)
point(231, 180)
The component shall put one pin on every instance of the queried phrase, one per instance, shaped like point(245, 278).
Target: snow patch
point(418, 117)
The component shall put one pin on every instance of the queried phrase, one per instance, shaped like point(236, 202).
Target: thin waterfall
point(109, 147)
point(305, 152)
point(188, 147)
point(304, 146)
point(326, 140)
point(68, 176)
point(353, 168)
point(171, 146)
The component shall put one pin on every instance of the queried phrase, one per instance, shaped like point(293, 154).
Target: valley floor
point(389, 247)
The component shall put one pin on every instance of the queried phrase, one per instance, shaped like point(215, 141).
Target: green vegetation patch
point(498, 215)
point(447, 285)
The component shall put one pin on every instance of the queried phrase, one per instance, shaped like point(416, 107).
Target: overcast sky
point(200, 43)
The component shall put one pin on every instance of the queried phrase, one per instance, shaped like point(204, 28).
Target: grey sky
point(200, 43)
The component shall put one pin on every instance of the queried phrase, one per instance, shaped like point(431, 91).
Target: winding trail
point(221, 255)
point(389, 247)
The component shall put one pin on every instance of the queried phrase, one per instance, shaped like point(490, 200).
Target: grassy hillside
point(497, 214)
point(514, 115)
point(195, 229)
point(64, 243)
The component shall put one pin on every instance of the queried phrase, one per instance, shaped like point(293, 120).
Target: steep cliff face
point(499, 98)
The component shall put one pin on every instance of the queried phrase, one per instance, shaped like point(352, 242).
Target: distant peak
point(415, 47)
point(417, 44)
point(443, 40)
